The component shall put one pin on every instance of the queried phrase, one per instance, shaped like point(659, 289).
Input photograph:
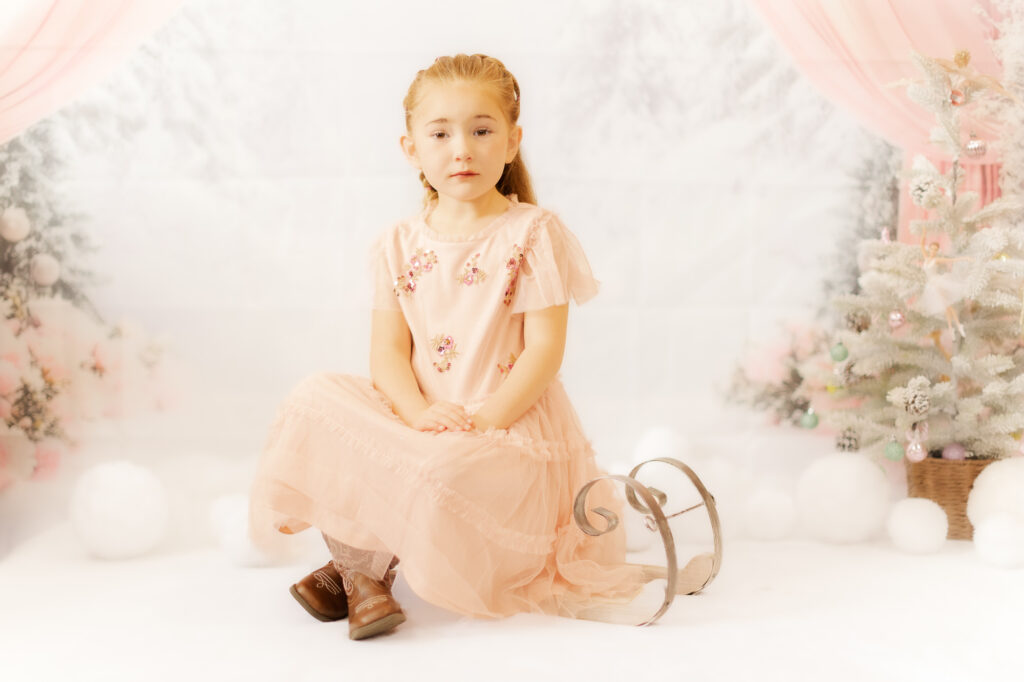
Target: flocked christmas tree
point(931, 358)
point(59, 362)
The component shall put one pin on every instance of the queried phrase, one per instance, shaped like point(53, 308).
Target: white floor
point(778, 611)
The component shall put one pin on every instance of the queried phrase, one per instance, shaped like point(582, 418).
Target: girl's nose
point(462, 149)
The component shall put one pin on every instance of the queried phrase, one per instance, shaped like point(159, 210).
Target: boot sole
point(378, 626)
point(309, 609)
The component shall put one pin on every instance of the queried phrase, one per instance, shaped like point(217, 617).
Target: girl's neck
point(455, 217)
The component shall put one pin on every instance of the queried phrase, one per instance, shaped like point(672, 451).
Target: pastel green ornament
point(894, 451)
point(809, 420)
point(839, 352)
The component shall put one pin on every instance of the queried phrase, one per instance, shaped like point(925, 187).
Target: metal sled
point(699, 571)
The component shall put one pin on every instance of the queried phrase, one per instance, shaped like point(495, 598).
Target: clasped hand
point(443, 416)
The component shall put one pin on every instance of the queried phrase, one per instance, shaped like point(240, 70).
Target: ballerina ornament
point(941, 289)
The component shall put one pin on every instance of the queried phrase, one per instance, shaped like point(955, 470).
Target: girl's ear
point(409, 149)
point(515, 137)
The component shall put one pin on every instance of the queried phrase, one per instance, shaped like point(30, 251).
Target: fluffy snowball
point(843, 498)
point(14, 224)
point(998, 488)
point(45, 269)
point(119, 510)
point(999, 540)
point(662, 441)
point(229, 516)
point(769, 514)
point(917, 525)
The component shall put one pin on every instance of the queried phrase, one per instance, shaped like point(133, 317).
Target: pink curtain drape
point(53, 50)
point(852, 50)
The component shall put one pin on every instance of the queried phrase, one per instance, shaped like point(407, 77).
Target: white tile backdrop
point(236, 170)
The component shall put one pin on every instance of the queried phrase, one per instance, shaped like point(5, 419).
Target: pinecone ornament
point(917, 403)
point(843, 373)
point(858, 321)
point(848, 441)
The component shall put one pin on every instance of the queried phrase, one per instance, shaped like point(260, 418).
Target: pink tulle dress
point(482, 522)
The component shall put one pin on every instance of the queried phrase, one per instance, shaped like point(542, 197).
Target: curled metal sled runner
point(699, 571)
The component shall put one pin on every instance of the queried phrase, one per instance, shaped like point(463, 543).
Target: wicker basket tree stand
point(947, 482)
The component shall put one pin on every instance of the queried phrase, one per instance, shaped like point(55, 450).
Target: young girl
point(463, 454)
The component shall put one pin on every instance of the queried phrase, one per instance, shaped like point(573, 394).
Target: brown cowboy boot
point(321, 594)
point(371, 608)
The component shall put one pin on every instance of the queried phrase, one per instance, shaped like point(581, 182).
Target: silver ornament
point(975, 147)
point(896, 319)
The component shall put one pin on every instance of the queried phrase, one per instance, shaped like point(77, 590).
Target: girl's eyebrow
point(444, 120)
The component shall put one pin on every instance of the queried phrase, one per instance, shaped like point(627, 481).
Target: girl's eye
point(437, 133)
point(483, 130)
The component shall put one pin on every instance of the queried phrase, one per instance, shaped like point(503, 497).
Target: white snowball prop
point(45, 269)
point(229, 516)
point(14, 224)
point(661, 441)
point(843, 498)
point(999, 540)
point(917, 525)
point(769, 514)
point(119, 510)
point(998, 488)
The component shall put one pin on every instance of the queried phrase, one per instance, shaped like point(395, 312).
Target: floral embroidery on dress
point(471, 273)
point(421, 261)
point(514, 262)
point(444, 345)
point(506, 367)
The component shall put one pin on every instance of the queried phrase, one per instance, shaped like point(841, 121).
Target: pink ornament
point(954, 451)
point(915, 436)
point(896, 319)
point(956, 98)
point(45, 269)
point(915, 452)
point(14, 224)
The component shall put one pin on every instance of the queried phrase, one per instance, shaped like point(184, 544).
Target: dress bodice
point(465, 297)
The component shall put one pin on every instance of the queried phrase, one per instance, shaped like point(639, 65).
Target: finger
point(460, 415)
point(450, 423)
point(429, 425)
point(456, 418)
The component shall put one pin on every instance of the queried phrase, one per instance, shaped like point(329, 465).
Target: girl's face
point(460, 139)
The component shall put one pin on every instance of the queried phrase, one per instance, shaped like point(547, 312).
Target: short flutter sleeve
point(383, 283)
point(554, 268)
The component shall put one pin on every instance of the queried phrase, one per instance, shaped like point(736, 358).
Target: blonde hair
point(490, 73)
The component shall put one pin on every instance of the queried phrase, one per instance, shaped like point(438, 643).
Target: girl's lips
point(463, 175)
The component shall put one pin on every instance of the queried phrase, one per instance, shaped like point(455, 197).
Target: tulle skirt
point(482, 522)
